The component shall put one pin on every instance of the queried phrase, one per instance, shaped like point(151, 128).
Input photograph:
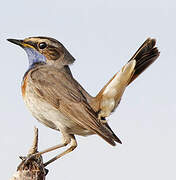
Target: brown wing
point(59, 89)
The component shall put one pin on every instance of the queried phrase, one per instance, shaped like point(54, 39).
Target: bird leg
point(66, 139)
point(51, 149)
point(73, 145)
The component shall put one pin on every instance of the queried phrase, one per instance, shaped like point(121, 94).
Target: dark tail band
point(144, 57)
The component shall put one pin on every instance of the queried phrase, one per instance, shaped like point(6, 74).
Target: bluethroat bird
point(58, 101)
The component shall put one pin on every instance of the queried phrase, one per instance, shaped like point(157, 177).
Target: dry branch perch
point(33, 169)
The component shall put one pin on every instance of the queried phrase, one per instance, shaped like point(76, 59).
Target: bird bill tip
point(15, 41)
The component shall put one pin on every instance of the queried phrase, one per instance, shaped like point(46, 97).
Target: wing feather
point(55, 86)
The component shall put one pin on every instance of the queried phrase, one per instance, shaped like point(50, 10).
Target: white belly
point(52, 117)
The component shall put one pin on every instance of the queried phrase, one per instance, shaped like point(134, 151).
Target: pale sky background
point(102, 36)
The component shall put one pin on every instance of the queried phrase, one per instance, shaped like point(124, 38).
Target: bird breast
point(48, 114)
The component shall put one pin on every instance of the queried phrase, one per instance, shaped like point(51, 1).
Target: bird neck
point(34, 57)
point(35, 65)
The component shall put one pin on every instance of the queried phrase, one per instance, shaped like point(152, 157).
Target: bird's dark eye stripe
point(32, 44)
point(42, 45)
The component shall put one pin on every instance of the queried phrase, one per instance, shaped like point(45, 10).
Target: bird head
point(45, 50)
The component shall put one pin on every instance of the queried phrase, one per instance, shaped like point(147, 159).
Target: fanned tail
point(144, 57)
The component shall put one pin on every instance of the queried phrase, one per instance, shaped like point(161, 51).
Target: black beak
point(16, 41)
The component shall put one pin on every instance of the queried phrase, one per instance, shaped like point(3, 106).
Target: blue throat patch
point(34, 57)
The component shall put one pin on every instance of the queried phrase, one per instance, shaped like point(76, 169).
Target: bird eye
point(42, 45)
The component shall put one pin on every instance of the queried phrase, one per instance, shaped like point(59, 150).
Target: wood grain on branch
point(32, 169)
